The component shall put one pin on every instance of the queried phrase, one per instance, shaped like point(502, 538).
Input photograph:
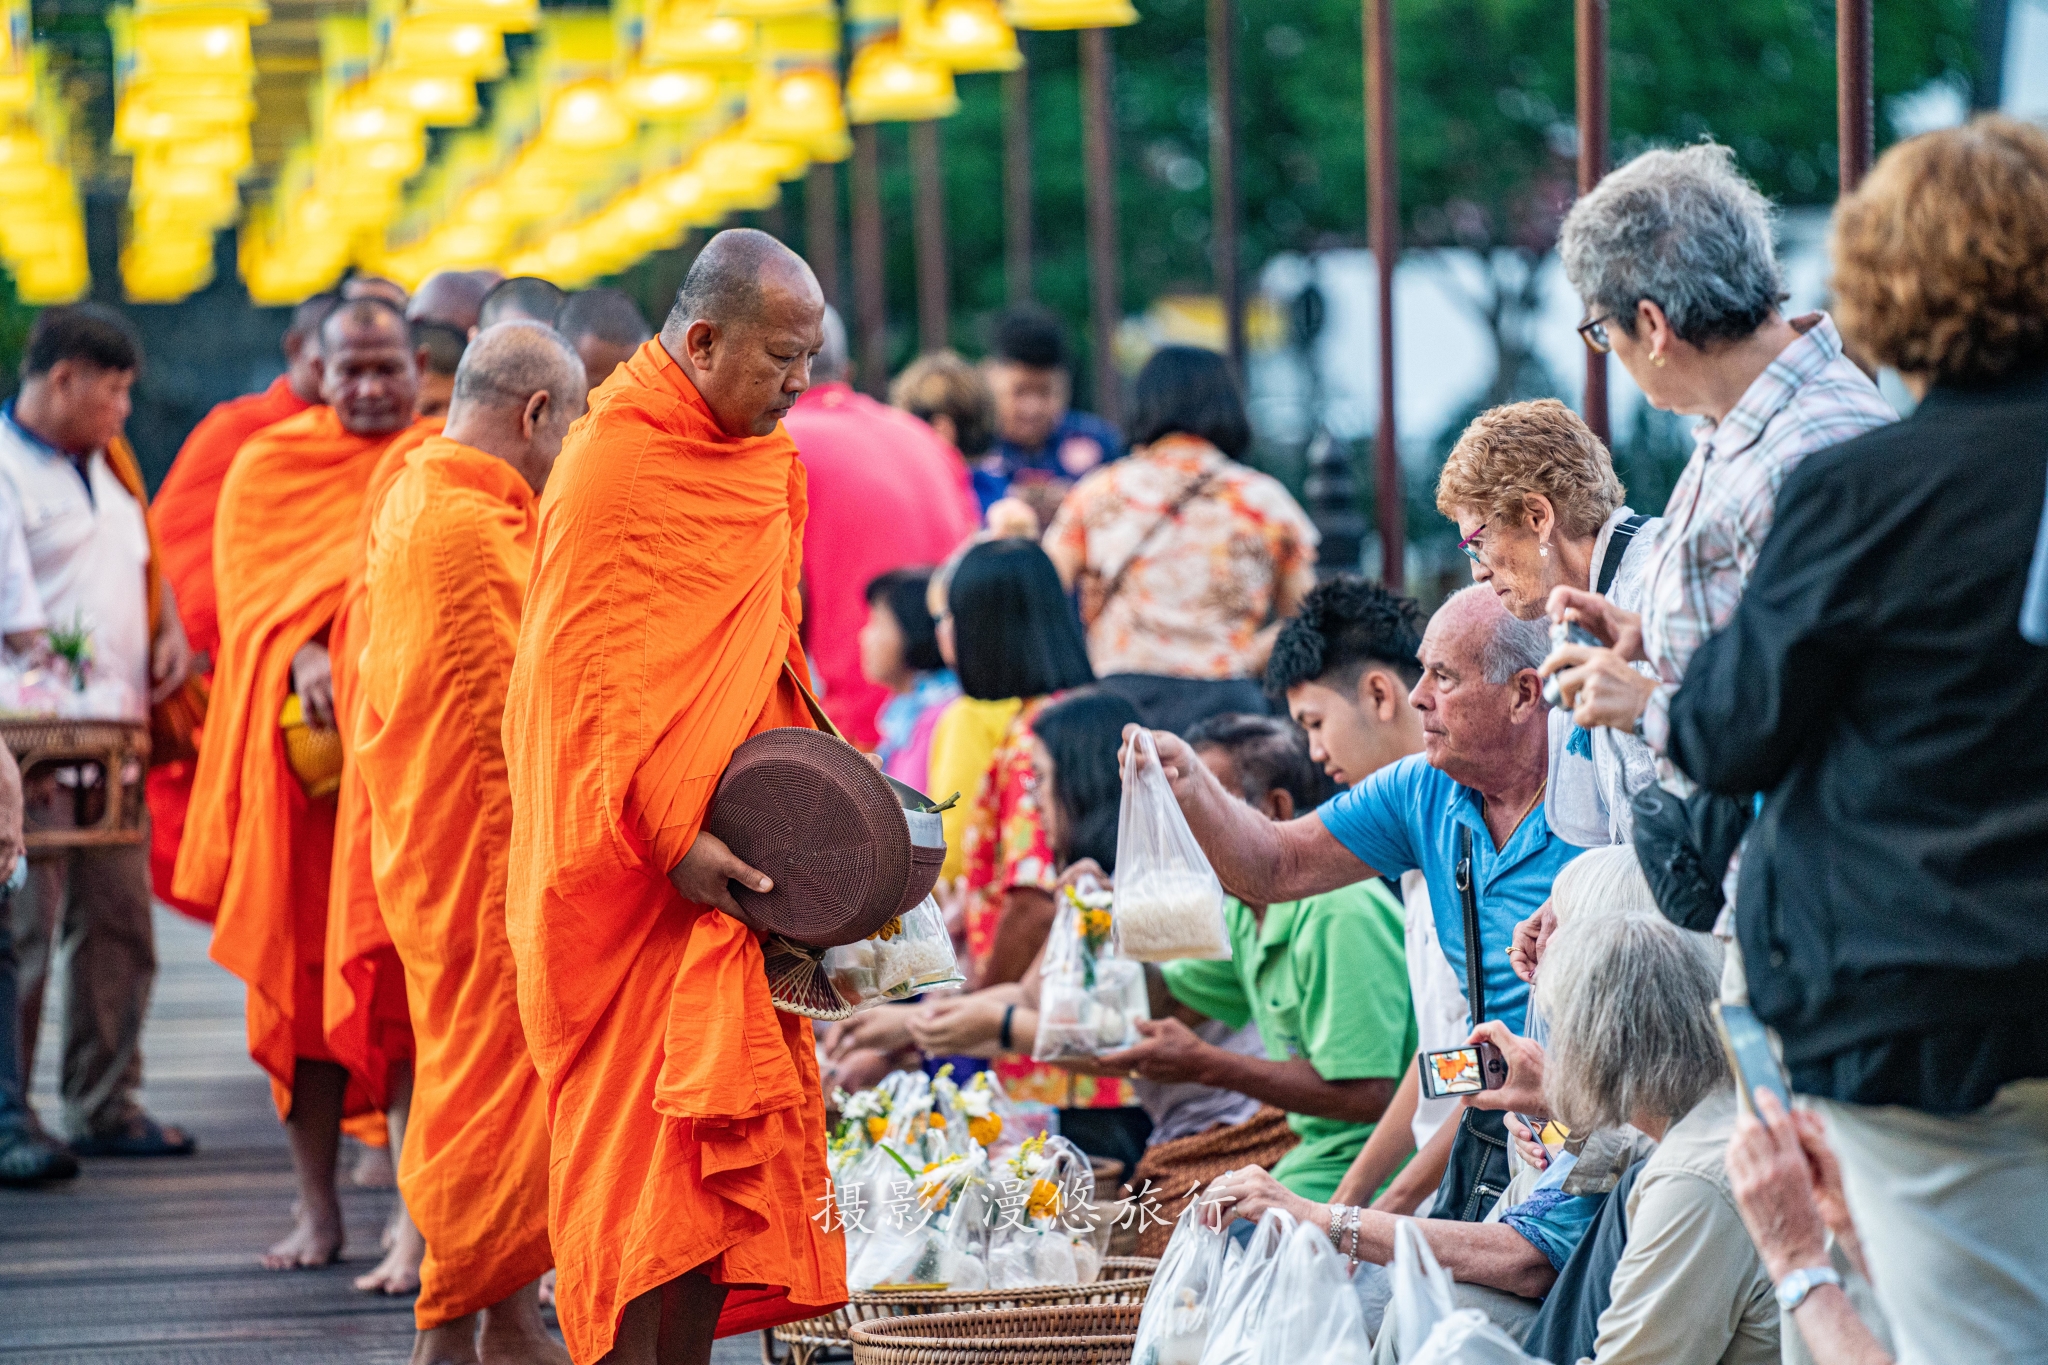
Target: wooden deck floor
point(155, 1261)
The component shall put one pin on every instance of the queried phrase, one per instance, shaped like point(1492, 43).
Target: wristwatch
point(1793, 1289)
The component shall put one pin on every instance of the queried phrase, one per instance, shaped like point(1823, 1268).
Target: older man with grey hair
point(867, 466)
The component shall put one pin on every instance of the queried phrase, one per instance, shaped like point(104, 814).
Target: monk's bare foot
point(374, 1170)
point(514, 1333)
point(399, 1271)
point(452, 1343)
point(312, 1241)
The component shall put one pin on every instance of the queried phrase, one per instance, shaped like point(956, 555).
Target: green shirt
point(1325, 979)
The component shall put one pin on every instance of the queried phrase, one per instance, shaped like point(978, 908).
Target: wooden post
point(1223, 212)
point(1592, 114)
point(934, 308)
point(1855, 124)
point(870, 300)
point(1383, 194)
point(1017, 184)
point(1105, 283)
point(821, 228)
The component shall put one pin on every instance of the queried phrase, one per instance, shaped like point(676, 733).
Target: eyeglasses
point(1593, 331)
point(1471, 551)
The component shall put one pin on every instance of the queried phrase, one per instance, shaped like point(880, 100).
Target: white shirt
point(21, 609)
point(88, 553)
point(1442, 1018)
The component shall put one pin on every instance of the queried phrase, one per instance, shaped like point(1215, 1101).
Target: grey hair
point(1683, 229)
point(1512, 645)
point(1629, 996)
point(1601, 880)
point(509, 362)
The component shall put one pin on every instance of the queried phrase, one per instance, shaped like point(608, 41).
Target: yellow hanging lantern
point(440, 100)
point(193, 46)
point(966, 35)
point(668, 93)
point(1068, 14)
point(691, 33)
point(773, 9)
point(588, 117)
point(507, 16)
point(800, 107)
point(888, 85)
point(456, 46)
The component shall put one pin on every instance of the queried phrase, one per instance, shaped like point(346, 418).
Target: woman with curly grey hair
point(1672, 255)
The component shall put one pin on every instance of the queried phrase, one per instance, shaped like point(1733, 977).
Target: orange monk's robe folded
point(256, 850)
point(181, 522)
point(363, 1010)
point(685, 1114)
point(448, 563)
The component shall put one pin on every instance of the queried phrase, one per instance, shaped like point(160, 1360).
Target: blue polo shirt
point(1407, 815)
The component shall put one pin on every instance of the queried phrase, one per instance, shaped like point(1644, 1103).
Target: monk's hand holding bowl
point(707, 869)
point(313, 680)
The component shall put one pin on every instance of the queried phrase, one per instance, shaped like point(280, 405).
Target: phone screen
point(1750, 1055)
point(1454, 1071)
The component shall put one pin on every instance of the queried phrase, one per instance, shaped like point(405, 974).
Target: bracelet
point(1344, 1221)
point(1003, 1037)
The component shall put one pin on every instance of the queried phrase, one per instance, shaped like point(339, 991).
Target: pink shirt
point(885, 492)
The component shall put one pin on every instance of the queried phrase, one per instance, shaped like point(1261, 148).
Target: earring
point(1657, 359)
point(1544, 550)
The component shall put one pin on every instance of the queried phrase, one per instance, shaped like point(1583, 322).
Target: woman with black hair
point(899, 650)
point(1184, 560)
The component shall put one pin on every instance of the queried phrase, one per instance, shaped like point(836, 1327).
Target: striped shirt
point(1811, 397)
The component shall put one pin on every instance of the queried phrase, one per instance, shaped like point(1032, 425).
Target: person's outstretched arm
point(1260, 861)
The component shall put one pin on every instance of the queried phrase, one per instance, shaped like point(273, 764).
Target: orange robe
point(687, 1124)
point(448, 563)
point(363, 1010)
point(181, 519)
point(258, 851)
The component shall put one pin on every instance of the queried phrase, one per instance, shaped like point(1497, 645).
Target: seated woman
point(899, 650)
point(1629, 997)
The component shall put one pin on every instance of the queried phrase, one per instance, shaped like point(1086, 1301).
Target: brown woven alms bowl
point(1075, 1334)
point(811, 812)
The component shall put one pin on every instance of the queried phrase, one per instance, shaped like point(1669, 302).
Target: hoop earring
point(1657, 359)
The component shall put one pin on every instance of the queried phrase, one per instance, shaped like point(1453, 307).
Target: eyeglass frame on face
point(1593, 331)
point(1466, 547)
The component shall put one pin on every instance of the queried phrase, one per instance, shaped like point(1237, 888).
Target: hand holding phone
point(1566, 633)
point(1750, 1057)
point(1463, 1070)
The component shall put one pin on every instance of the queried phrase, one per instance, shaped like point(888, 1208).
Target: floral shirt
point(1006, 848)
point(1203, 584)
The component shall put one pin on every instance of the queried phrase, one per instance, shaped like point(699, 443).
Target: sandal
point(144, 1136)
point(26, 1159)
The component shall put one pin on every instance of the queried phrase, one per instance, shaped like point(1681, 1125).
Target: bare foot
point(374, 1170)
point(452, 1343)
point(313, 1241)
point(399, 1271)
point(515, 1335)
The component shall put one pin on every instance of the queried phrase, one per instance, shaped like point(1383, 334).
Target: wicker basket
point(1075, 1334)
point(1124, 1279)
point(110, 760)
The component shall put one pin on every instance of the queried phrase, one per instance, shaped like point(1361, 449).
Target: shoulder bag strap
point(1475, 954)
point(1617, 546)
point(1166, 518)
point(823, 721)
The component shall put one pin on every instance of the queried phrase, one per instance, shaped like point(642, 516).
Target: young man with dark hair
point(66, 468)
point(1039, 438)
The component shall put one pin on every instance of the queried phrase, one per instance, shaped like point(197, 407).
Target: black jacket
point(1893, 902)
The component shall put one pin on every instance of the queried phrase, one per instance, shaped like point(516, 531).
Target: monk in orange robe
point(660, 631)
point(258, 847)
point(181, 521)
point(450, 551)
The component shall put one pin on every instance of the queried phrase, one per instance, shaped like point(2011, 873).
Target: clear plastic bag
point(1469, 1337)
point(1316, 1314)
point(912, 953)
point(1240, 1310)
point(1169, 904)
point(1422, 1290)
point(1174, 1326)
point(1091, 998)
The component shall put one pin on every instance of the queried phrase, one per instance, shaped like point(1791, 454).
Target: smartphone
point(1463, 1071)
point(1750, 1056)
point(1567, 633)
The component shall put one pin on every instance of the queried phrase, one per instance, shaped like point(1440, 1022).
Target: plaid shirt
point(1811, 397)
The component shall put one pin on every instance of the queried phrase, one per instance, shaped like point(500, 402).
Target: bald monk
point(181, 521)
point(374, 287)
point(437, 351)
point(523, 297)
point(450, 550)
point(605, 327)
point(258, 848)
point(659, 632)
point(452, 297)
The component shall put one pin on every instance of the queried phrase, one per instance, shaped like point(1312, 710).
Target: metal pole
point(1105, 285)
point(870, 302)
point(1017, 183)
point(821, 228)
point(1223, 176)
point(934, 309)
point(1855, 124)
point(1592, 114)
point(1384, 195)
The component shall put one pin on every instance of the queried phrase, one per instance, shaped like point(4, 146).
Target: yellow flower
point(938, 1120)
point(1095, 923)
point(877, 1125)
point(985, 1129)
point(890, 928)
point(1044, 1201)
